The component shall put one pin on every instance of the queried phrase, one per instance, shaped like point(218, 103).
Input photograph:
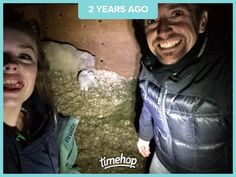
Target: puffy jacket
point(187, 109)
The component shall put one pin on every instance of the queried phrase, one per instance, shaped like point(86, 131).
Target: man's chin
point(168, 60)
point(170, 57)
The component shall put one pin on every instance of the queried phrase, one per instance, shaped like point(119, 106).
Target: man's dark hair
point(199, 9)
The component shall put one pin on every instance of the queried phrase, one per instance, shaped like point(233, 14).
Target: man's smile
point(169, 44)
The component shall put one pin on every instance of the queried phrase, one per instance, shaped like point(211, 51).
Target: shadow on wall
point(138, 26)
point(220, 18)
point(141, 39)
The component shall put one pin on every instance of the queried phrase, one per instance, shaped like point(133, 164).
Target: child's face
point(20, 67)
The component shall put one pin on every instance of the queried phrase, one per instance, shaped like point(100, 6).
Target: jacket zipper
point(49, 155)
point(161, 102)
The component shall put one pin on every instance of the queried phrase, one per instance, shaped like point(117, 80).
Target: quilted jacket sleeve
point(145, 124)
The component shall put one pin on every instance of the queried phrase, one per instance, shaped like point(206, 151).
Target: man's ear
point(203, 22)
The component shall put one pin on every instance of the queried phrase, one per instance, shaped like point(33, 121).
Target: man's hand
point(143, 147)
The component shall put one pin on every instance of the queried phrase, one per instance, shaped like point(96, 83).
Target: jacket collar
point(151, 66)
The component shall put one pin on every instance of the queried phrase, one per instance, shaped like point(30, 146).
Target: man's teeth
point(169, 44)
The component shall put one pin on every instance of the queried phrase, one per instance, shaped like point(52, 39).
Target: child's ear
point(203, 22)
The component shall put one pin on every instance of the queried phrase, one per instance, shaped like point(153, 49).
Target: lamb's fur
point(68, 59)
point(87, 80)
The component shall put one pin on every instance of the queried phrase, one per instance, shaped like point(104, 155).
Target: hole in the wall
point(61, 15)
point(102, 43)
point(99, 21)
point(83, 25)
point(101, 61)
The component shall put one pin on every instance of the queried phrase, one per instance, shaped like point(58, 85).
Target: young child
point(31, 124)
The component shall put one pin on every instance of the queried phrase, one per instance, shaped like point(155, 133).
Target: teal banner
point(117, 9)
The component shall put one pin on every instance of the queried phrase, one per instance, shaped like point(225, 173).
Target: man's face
point(175, 31)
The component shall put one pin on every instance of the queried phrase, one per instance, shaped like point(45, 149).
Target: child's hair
point(31, 28)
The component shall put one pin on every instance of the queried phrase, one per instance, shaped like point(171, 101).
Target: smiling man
point(175, 31)
point(186, 85)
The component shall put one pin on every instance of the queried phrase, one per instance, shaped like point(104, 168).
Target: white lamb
point(87, 79)
point(69, 59)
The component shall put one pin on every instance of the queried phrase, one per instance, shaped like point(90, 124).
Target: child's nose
point(11, 67)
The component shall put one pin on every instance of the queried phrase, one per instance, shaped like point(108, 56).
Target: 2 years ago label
point(117, 9)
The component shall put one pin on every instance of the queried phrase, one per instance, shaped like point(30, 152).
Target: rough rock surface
point(106, 127)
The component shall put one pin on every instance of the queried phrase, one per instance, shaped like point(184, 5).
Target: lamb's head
point(88, 60)
point(87, 79)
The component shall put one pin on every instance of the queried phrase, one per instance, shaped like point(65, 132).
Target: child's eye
point(26, 58)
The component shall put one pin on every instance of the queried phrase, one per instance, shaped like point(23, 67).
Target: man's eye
point(151, 22)
point(177, 13)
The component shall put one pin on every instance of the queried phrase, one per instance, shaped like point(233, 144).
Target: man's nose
point(164, 28)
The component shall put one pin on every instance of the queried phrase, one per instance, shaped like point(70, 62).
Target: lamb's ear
point(203, 22)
